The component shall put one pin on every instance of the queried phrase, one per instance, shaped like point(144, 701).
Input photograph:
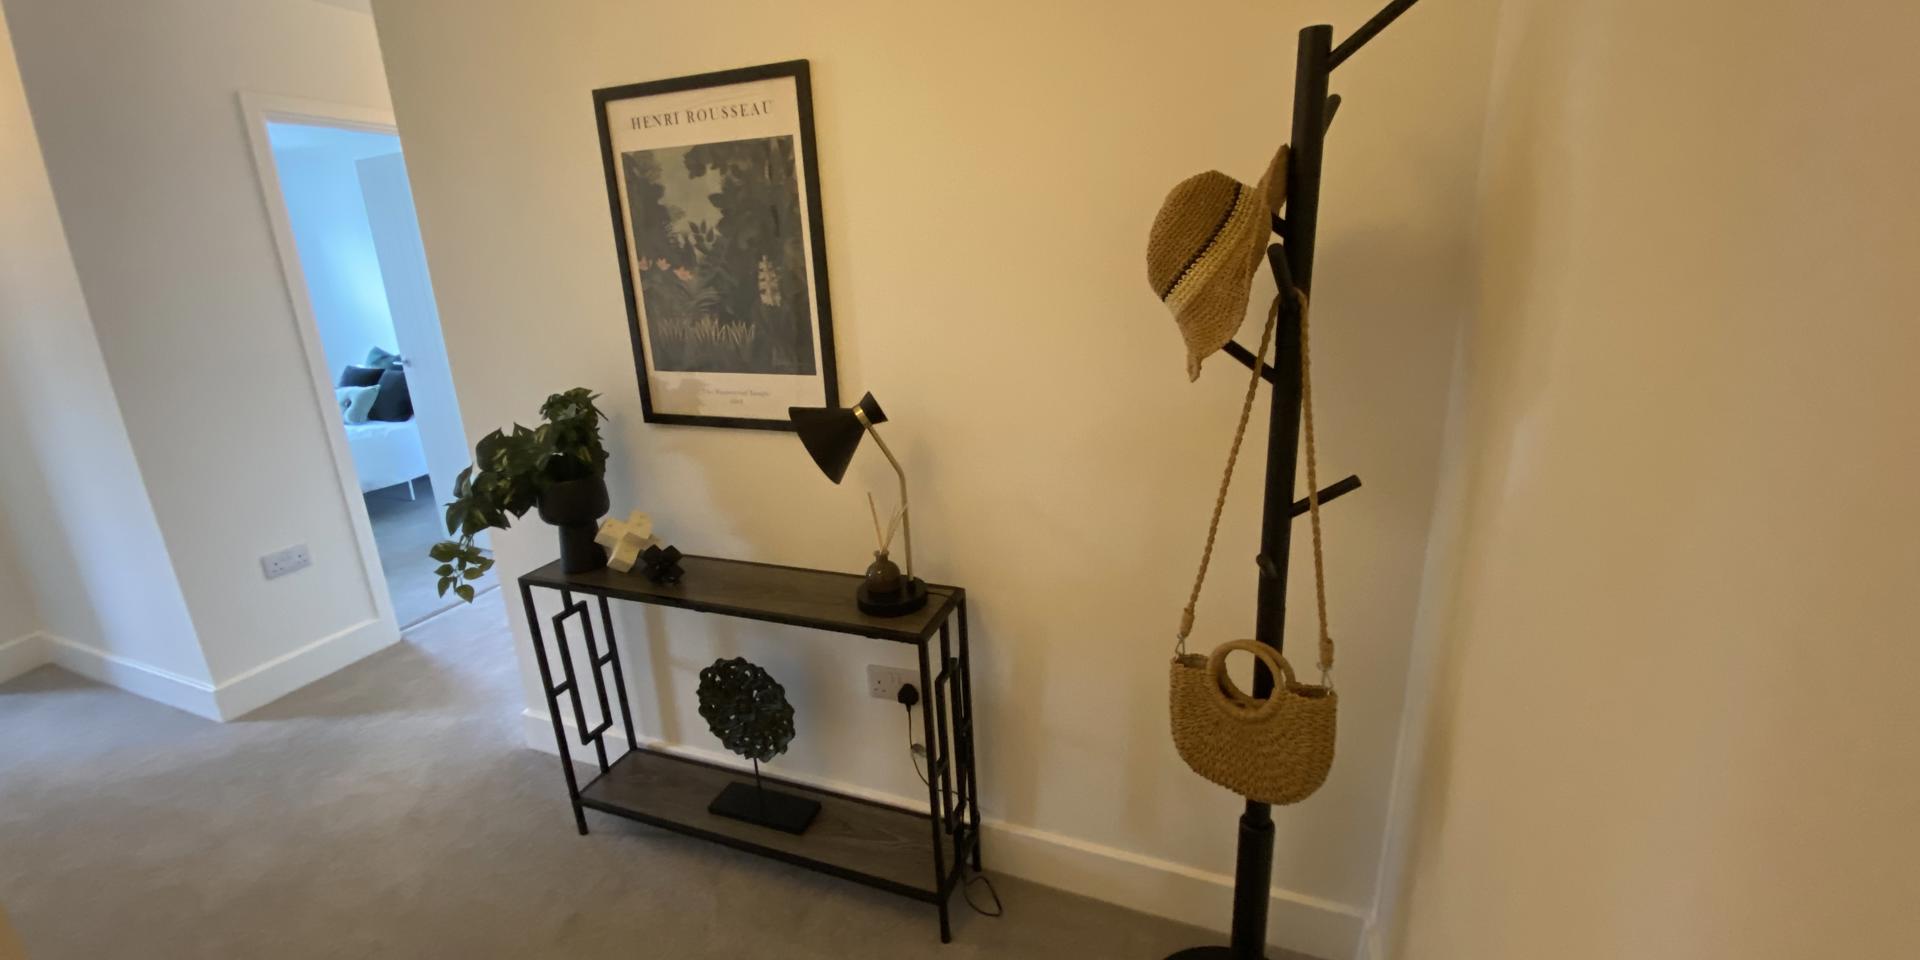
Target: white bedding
point(386, 452)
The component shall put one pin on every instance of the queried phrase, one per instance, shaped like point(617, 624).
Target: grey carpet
point(392, 810)
point(404, 528)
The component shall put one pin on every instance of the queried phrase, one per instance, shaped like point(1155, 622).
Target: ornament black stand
point(1292, 264)
point(768, 808)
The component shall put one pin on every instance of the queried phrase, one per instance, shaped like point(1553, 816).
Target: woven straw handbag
point(1273, 750)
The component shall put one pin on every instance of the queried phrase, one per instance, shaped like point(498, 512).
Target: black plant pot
point(576, 506)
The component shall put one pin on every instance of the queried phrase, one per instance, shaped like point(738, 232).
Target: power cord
point(966, 893)
point(907, 697)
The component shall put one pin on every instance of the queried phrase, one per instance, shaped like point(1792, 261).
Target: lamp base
point(908, 599)
point(767, 808)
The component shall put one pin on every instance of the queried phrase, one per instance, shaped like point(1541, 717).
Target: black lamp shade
point(832, 434)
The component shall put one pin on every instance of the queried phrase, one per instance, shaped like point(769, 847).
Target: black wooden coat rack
point(1292, 264)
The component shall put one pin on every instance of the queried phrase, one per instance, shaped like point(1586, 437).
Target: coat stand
point(1292, 264)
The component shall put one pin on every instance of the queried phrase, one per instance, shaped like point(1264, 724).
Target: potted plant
point(559, 466)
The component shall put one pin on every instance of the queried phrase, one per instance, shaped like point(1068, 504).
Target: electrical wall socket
point(884, 683)
point(282, 562)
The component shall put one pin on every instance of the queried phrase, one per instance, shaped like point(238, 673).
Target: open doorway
point(336, 184)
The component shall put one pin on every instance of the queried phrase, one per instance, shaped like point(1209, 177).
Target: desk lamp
point(831, 435)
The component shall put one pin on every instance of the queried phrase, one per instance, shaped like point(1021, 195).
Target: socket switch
point(282, 562)
point(884, 683)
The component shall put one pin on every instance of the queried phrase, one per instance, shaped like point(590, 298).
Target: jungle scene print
point(720, 256)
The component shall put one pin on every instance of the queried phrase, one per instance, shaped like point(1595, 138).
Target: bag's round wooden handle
point(1235, 701)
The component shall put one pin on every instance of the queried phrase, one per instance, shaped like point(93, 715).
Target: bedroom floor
point(405, 529)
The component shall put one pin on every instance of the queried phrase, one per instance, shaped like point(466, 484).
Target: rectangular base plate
point(767, 808)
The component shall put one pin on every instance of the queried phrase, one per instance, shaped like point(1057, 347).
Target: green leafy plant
point(511, 469)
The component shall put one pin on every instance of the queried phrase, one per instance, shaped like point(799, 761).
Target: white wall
point(138, 115)
point(1672, 640)
point(989, 173)
point(321, 186)
point(76, 512)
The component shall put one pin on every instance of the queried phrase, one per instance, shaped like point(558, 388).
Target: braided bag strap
point(1226, 479)
point(1313, 496)
point(1313, 488)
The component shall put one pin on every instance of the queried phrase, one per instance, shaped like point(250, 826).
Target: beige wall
point(989, 172)
point(1671, 668)
point(139, 118)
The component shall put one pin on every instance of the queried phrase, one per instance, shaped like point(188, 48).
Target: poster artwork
point(715, 196)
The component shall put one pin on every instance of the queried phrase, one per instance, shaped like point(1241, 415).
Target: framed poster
point(715, 194)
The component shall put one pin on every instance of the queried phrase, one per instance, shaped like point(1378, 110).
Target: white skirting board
point(249, 691)
point(226, 700)
point(1310, 925)
point(161, 686)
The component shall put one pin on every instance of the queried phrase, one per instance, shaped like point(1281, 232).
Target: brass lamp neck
point(906, 521)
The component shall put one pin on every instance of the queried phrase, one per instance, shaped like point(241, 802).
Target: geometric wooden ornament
point(625, 540)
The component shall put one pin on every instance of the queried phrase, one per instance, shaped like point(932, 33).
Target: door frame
point(258, 110)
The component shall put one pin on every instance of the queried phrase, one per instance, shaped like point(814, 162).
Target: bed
point(386, 452)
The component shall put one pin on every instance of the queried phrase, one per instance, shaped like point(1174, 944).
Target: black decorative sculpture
point(662, 565)
point(748, 710)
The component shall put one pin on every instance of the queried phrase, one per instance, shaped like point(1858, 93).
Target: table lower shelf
point(872, 843)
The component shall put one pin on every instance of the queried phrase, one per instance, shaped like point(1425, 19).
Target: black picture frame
point(814, 238)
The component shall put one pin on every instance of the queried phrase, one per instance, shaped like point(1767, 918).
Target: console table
point(904, 851)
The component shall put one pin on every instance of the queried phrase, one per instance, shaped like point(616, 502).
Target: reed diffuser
point(884, 580)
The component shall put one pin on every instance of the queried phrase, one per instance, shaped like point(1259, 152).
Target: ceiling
point(358, 6)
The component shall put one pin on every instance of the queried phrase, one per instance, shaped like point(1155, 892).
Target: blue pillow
point(356, 402)
point(382, 360)
point(394, 402)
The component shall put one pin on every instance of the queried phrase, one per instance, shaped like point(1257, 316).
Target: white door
point(416, 319)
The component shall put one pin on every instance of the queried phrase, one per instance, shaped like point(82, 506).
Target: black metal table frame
point(954, 807)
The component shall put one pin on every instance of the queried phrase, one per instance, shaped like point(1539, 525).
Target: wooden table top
point(822, 599)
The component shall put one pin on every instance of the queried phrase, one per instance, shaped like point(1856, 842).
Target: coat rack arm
point(1333, 491)
point(1277, 262)
point(1333, 107)
point(1235, 350)
point(1352, 44)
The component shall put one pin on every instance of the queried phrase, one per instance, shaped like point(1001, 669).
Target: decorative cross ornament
point(625, 540)
point(662, 565)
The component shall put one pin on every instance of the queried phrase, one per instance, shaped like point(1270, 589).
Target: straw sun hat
point(1205, 246)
